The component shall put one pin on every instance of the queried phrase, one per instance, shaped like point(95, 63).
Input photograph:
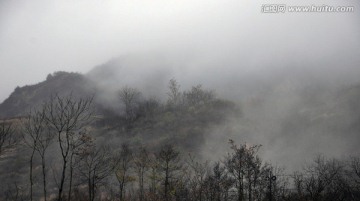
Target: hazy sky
point(42, 36)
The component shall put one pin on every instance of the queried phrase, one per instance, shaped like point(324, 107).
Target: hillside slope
point(25, 98)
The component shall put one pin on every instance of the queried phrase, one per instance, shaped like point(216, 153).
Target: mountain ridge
point(23, 99)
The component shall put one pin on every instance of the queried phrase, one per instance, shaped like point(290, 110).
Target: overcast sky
point(42, 36)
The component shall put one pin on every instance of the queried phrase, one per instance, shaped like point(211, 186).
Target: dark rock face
point(25, 98)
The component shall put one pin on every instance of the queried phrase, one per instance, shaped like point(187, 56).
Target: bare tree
point(95, 166)
point(273, 184)
point(15, 192)
point(199, 172)
point(243, 164)
point(67, 116)
point(154, 176)
point(7, 138)
point(169, 166)
point(148, 108)
point(355, 166)
point(198, 96)
point(298, 178)
point(174, 94)
point(130, 97)
point(321, 174)
point(352, 174)
point(141, 164)
point(124, 163)
point(82, 145)
point(218, 184)
point(38, 137)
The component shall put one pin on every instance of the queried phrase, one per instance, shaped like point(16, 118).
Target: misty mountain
point(154, 121)
point(23, 99)
point(290, 111)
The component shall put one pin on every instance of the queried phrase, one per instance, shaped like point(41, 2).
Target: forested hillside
point(67, 139)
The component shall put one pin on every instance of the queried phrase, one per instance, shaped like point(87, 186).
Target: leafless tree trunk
point(153, 176)
point(123, 165)
point(218, 183)
point(31, 163)
point(67, 117)
point(38, 137)
point(141, 163)
point(79, 147)
point(243, 164)
point(197, 181)
point(95, 166)
point(169, 165)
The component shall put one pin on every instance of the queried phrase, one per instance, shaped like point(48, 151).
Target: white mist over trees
point(182, 78)
point(85, 155)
